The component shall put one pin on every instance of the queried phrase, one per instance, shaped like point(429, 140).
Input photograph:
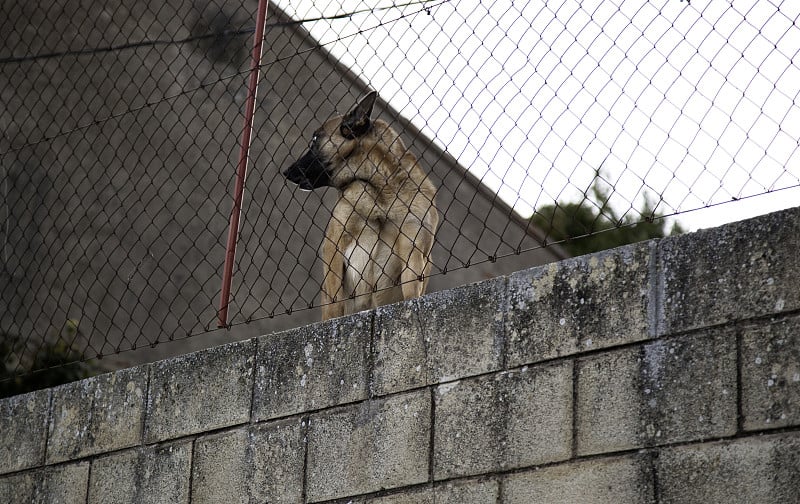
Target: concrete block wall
point(662, 372)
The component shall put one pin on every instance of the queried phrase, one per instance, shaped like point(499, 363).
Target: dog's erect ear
point(357, 122)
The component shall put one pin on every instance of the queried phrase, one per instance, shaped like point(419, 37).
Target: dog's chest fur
point(372, 268)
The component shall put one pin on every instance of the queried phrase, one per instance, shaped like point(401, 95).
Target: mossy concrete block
point(771, 374)
point(463, 329)
point(400, 353)
point(579, 304)
point(756, 470)
point(23, 430)
point(63, 484)
point(366, 447)
point(96, 415)
point(733, 272)
point(503, 421)
point(312, 367)
point(200, 391)
point(601, 481)
point(262, 463)
point(154, 474)
point(666, 391)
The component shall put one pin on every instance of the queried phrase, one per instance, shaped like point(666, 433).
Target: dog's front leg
point(415, 250)
point(333, 281)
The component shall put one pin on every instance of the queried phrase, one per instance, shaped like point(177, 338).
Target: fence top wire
point(539, 124)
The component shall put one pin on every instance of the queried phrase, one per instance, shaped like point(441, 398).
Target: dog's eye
point(313, 141)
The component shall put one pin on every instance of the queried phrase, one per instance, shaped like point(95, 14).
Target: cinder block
point(400, 355)
point(463, 329)
point(200, 391)
point(414, 496)
point(771, 374)
point(369, 446)
point(733, 272)
point(467, 492)
point(451, 492)
point(96, 415)
point(154, 474)
point(23, 430)
point(64, 484)
point(600, 481)
point(756, 470)
point(663, 392)
point(263, 463)
point(584, 303)
point(312, 367)
point(503, 421)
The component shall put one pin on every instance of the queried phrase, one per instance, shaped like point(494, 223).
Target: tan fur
point(381, 233)
point(377, 246)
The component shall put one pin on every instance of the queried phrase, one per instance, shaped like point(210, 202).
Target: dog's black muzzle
point(309, 172)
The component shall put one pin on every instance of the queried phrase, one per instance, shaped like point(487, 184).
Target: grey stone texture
point(467, 492)
point(399, 349)
point(155, 474)
point(370, 446)
point(732, 272)
point(579, 304)
point(97, 415)
point(200, 391)
point(23, 430)
point(485, 491)
point(666, 391)
point(771, 374)
point(608, 481)
point(503, 421)
point(63, 484)
point(756, 470)
point(463, 329)
point(262, 463)
point(313, 367)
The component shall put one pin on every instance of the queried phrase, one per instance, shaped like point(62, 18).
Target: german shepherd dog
point(378, 242)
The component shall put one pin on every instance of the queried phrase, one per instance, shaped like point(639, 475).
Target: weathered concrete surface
point(771, 374)
point(608, 481)
point(201, 391)
point(369, 446)
point(399, 353)
point(63, 484)
point(732, 272)
point(262, 463)
point(312, 367)
point(579, 304)
point(155, 474)
point(98, 415)
point(451, 492)
point(757, 470)
point(23, 430)
point(503, 421)
point(666, 391)
point(463, 329)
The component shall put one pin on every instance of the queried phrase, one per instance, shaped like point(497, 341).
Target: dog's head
point(331, 145)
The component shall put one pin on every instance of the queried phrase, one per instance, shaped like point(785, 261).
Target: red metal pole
point(241, 171)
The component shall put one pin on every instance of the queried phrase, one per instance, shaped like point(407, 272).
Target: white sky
point(694, 104)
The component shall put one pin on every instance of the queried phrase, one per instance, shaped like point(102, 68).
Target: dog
point(377, 245)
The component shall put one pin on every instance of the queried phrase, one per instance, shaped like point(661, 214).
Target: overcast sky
point(693, 104)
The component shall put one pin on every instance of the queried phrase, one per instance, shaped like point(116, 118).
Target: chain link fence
point(121, 124)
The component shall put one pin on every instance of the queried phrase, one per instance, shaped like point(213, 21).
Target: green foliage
point(27, 366)
point(592, 225)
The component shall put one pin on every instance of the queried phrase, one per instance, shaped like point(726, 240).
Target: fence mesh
point(121, 124)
